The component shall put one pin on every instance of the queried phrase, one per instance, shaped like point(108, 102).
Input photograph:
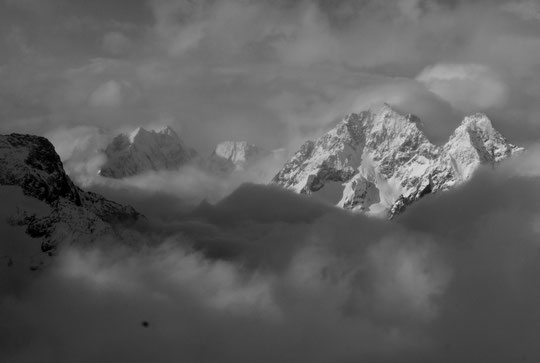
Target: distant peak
point(134, 134)
point(165, 130)
point(161, 130)
point(228, 149)
point(236, 155)
point(143, 150)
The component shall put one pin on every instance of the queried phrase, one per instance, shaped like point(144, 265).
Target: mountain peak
point(144, 150)
point(141, 133)
point(477, 142)
point(380, 113)
point(166, 130)
point(235, 155)
point(133, 134)
point(227, 145)
point(383, 109)
point(386, 111)
point(385, 115)
point(380, 161)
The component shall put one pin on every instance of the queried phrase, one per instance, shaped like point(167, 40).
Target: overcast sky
point(270, 72)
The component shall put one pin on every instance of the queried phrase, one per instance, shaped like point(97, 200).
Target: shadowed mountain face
point(32, 163)
point(31, 168)
point(380, 161)
point(143, 151)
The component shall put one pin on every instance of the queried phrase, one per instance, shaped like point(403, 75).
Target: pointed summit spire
point(166, 130)
point(477, 142)
point(142, 151)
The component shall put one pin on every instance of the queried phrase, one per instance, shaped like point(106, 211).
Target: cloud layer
point(268, 275)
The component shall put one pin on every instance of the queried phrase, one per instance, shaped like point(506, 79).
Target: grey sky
point(271, 72)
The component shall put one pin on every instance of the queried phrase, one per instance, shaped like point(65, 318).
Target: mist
point(266, 275)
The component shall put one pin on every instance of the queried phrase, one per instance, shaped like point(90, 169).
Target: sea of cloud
point(267, 275)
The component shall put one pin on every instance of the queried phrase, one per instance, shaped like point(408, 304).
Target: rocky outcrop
point(74, 216)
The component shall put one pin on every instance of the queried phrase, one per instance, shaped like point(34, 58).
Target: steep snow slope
point(379, 161)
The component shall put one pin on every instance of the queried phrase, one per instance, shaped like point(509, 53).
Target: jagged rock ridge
point(230, 156)
point(380, 161)
point(145, 150)
point(31, 163)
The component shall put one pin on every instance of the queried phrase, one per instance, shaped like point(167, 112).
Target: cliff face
point(67, 213)
point(379, 161)
point(32, 163)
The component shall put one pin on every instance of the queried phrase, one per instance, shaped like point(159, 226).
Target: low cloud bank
point(82, 152)
point(266, 275)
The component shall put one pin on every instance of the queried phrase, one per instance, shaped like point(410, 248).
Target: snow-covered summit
point(231, 156)
point(163, 132)
point(144, 150)
point(478, 131)
point(476, 142)
point(379, 161)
